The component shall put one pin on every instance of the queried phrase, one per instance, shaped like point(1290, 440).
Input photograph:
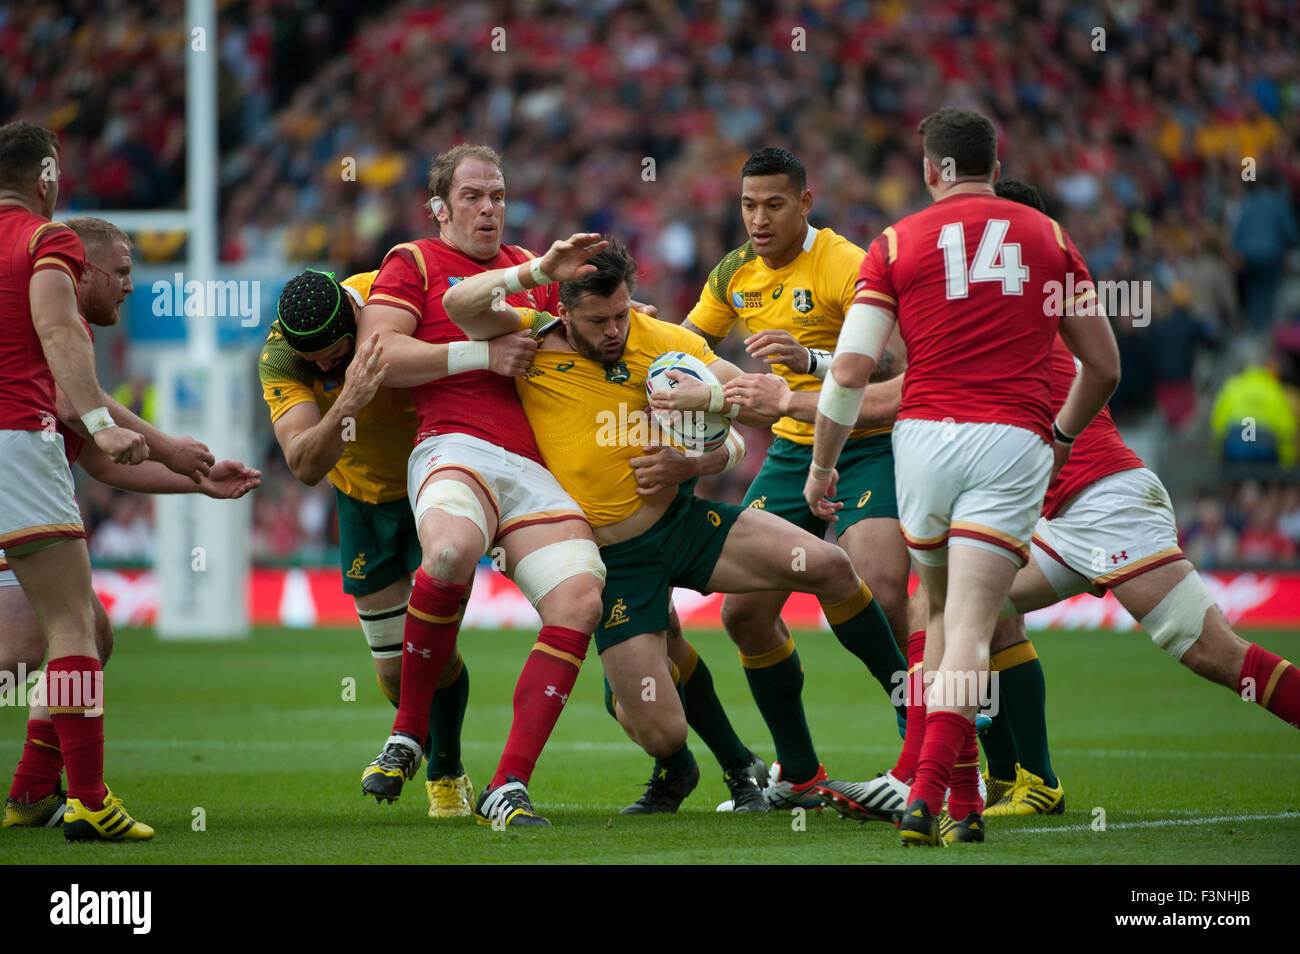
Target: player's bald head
point(960, 142)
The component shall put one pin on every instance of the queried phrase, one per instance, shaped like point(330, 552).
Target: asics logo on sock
point(425, 653)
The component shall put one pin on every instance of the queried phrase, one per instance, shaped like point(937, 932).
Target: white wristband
point(716, 399)
point(539, 277)
point(819, 363)
point(513, 285)
point(98, 420)
point(467, 356)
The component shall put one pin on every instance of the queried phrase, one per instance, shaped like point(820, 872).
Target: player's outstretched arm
point(180, 455)
point(226, 480)
point(770, 397)
point(68, 351)
point(477, 305)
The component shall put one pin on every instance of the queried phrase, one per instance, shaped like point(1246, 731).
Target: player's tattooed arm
point(884, 369)
point(713, 340)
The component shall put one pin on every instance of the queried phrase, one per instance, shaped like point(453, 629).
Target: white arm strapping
point(866, 331)
point(735, 449)
point(838, 403)
point(467, 356)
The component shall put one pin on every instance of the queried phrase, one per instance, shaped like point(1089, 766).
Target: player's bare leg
point(764, 552)
point(879, 554)
point(556, 566)
point(56, 581)
point(34, 796)
point(451, 545)
point(972, 592)
point(1176, 609)
point(387, 656)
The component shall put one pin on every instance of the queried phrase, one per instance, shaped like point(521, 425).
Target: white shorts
point(37, 502)
point(980, 485)
point(521, 491)
point(1114, 529)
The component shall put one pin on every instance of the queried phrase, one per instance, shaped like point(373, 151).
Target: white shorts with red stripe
point(521, 491)
point(1116, 528)
point(37, 502)
point(979, 485)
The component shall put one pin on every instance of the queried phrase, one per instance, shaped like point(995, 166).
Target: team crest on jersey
point(803, 300)
point(617, 372)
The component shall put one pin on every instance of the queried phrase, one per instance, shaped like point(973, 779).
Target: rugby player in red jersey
point(969, 282)
point(42, 341)
point(476, 482)
point(1108, 524)
point(34, 798)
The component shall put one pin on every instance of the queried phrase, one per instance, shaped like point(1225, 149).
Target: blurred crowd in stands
point(1165, 137)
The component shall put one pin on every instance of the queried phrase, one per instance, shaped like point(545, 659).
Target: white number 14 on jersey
point(994, 260)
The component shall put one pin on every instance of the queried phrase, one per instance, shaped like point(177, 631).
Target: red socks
point(964, 783)
point(905, 770)
point(74, 692)
point(945, 736)
point(1275, 686)
point(39, 768)
point(540, 694)
point(429, 639)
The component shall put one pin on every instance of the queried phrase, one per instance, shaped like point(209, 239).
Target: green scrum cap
point(314, 312)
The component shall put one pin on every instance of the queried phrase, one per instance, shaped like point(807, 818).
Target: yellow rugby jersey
point(590, 419)
point(373, 466)
point(808, 298)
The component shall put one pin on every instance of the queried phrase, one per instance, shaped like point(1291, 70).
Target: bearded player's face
point(475, 213)
point(597, 326)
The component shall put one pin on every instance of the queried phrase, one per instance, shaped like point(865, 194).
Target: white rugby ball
point(700, 431)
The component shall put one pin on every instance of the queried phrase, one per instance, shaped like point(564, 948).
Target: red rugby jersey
point(415, 276)
point(971, 281)
point(1098, 452)
point(28, 244)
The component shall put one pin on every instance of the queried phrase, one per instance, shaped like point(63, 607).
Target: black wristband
point(1060, 436)
point(812, 360)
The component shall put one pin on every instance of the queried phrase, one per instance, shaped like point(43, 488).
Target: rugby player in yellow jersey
point(333, 419)
point(790, 286)
point(586, 402)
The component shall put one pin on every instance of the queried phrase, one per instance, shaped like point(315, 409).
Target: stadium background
point(1139, 149)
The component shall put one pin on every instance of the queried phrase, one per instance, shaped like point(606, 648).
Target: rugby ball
point(700, 431)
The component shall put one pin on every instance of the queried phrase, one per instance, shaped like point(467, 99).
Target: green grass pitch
point(258, 735)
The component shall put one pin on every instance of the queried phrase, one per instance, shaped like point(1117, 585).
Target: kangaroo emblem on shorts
point(617, 614)
point(358, 572)
point(759, 504)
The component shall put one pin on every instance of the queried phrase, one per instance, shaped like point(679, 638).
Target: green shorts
point(378, 544)
point(681, 549)
point(865, 487)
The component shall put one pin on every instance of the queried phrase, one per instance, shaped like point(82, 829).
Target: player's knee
point(563, 580)
point(1176, 623)
point(834, 573)
point(742, 618)
point(664, 737)
point(448, 561)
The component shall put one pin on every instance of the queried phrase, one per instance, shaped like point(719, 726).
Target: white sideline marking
point(1157, 823)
